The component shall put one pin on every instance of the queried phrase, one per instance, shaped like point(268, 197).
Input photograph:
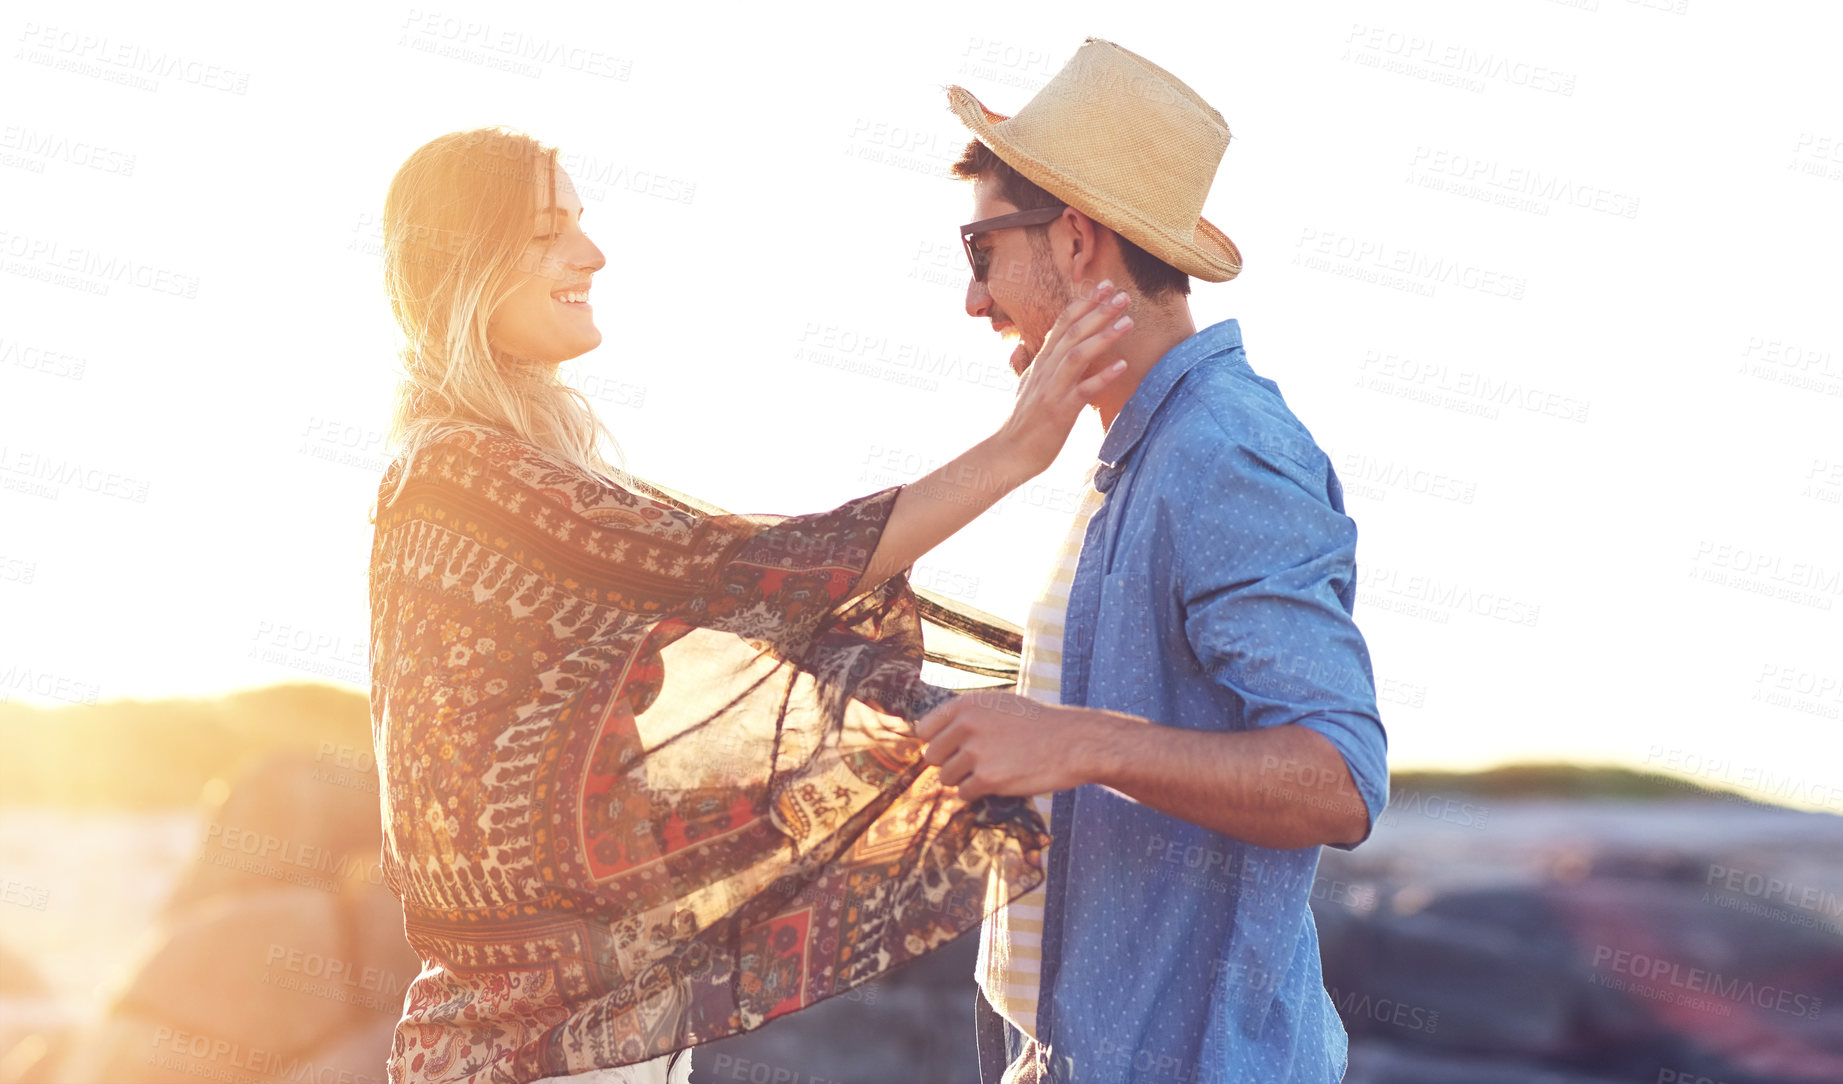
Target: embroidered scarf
point(648, 776)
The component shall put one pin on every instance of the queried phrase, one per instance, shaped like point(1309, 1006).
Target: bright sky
point(1555, 283)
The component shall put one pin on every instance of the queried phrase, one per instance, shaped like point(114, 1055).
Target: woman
point(647, 776)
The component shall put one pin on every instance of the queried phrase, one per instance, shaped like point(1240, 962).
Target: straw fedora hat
point(1124, 142)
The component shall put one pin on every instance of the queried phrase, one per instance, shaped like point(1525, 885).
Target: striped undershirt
point(1011, 942)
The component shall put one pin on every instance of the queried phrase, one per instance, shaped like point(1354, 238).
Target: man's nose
point(978, 298)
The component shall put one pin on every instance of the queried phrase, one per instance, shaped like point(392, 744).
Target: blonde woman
point(648, 776)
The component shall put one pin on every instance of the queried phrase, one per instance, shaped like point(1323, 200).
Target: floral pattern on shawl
point(648, 778)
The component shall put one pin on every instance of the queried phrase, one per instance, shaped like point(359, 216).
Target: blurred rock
point(1570, 942)
point(30, 1017)
point(251, 967)
point(289, 820)
point(358, 1056)
point(128, 1047)
point(1373, 1062)
point(279, 952)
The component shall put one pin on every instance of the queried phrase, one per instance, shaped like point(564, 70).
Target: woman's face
point(547, 317)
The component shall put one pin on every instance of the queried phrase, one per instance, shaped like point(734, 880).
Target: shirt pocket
point(1124, 672)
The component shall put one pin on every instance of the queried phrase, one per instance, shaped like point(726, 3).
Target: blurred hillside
point(158, 754)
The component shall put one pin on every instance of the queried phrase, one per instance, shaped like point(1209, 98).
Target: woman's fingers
point(1084, 303)
point(1058, 383)
point(1097, 383)
point(1083, 318)
point(1085, 339)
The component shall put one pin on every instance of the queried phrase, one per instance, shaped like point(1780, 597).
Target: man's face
point(1023, 292)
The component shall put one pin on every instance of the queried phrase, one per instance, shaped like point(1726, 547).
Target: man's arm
point(1280, 787)
point(1260, 565)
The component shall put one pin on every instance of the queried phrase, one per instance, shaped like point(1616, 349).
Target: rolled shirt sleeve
point(1267, 571)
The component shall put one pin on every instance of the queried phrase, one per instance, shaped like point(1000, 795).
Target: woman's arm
point(1055, 388)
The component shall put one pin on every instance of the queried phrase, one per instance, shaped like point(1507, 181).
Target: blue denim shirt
point(1214, 592)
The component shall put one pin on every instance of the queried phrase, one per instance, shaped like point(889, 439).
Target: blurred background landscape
point(191, 888)
point(1555, 292)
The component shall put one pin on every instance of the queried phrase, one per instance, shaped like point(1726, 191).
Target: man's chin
point(1021, 358)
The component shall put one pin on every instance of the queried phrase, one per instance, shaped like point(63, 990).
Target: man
point(1211, 715)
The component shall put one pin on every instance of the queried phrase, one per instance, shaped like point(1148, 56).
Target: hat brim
point(1207, 254)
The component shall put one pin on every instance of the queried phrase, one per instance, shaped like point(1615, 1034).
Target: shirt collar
point(1152, 391)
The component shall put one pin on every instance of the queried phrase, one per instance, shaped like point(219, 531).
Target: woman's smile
point(573, 297)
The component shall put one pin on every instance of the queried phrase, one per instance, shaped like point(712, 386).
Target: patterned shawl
point(648, 776)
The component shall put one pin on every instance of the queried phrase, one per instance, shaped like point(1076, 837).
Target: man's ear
point(1084, 253)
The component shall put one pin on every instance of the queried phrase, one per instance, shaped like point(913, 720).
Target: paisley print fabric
point(648, 777)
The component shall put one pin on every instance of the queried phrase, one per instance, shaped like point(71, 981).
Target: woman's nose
point(591, 257)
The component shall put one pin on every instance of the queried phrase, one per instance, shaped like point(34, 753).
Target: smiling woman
point(648, 775)
point(488, 273)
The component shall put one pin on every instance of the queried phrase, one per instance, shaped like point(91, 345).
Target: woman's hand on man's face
point(1072, 368)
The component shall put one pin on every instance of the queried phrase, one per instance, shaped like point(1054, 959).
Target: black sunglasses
point(981, 262)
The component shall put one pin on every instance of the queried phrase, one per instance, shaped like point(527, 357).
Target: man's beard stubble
point(1048, 295)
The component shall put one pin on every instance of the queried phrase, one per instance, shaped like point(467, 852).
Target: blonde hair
point(456, 224)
